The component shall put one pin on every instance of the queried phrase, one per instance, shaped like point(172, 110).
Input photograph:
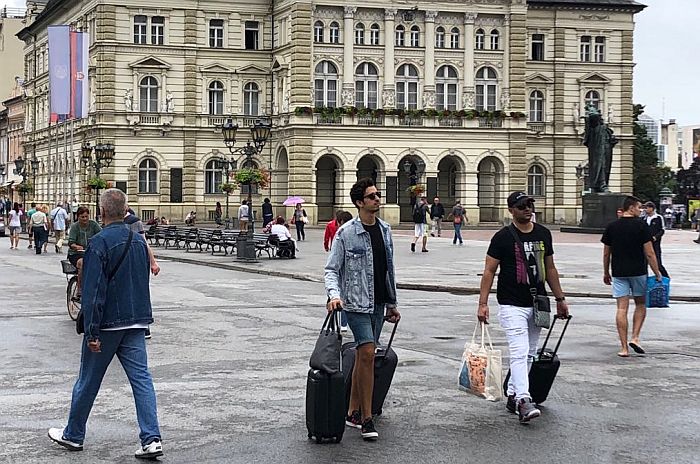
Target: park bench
point(170, 237)
point(191, 240)
point(151, 233)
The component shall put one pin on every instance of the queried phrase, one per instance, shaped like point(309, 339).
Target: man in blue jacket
point(360, 279)
point(116, 304)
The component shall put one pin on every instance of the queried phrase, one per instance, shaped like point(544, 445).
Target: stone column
point(505, 88)
point(389, 90)
point(468, 96)
point(348, 94)
point(429, 87)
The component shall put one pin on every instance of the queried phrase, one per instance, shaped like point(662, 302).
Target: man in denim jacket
point(117, 313)
point(360, 279)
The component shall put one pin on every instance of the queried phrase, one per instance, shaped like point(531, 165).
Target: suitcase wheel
point(319, 440)
point(310, 436)
point(338, 439)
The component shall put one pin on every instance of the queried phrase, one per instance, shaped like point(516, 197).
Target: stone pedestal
point(599, 210)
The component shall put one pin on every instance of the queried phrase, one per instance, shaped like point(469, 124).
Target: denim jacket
point(126, 299)
point(349, 272)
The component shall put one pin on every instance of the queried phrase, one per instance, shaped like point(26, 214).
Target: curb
point(399, 285)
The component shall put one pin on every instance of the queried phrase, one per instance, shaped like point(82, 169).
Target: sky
point(667, 53)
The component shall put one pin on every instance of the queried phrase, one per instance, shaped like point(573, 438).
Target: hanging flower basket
point(24, 188)
point(228, 187)
point(97, 183)
point(416, 190)
point(247, 176)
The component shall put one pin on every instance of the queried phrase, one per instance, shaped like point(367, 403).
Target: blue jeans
point(130, 347)
point(458, 233)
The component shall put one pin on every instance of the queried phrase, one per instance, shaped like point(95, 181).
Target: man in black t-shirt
point(629, 241)
point(533, 265)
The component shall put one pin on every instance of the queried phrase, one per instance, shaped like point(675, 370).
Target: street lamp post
point(227, 166)
point(104, 155)
point(260, 133)
point(21, 169)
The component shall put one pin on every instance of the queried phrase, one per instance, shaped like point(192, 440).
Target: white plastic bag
point(480, 370)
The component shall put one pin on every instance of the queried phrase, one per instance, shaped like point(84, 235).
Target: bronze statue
point(600, 140)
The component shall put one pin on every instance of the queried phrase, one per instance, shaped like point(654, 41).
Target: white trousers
point(522, 336)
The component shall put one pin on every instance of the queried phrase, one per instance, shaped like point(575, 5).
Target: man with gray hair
point(116, 306)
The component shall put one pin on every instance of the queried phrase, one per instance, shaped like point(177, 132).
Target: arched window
point(486, 89)
point(536, 106)
point(454, 37)
point(374, 34)
point(479, 42)
point(325, 85)
point(148, 176)
point(446, 88)
point(334, 33)
point(495, 40)
point(593, 98)
point(318, 32)
point(213, 177)
point(440, 37)
point(216, 98)
point(148, 95)
point(359, 34)
point(400, 36)
point(251, 93)
point(415, 36)
point(407, 87)
point(366, 86)
point(535, 181)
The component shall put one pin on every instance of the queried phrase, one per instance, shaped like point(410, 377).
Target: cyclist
point(80, 233)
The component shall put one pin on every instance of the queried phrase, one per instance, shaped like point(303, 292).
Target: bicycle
point(72, 298)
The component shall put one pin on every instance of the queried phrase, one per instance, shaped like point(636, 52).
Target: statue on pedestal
point(600, 140)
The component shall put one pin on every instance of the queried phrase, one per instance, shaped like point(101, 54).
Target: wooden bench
point(170, 237)
point(151, 233)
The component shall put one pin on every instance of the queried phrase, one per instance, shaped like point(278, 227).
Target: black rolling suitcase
point(325, 399)
point(544, 368)
point(385, 362)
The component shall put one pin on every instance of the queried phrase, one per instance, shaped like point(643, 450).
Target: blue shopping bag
point(658, 293)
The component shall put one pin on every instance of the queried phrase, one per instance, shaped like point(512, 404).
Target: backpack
point(418, 214)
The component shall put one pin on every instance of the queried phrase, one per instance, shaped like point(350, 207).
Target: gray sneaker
point(527, 410)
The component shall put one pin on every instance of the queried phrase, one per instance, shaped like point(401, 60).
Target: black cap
point(649, 204)
point(517, 197)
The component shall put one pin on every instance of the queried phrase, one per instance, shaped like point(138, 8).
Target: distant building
point(11, 49)
point(668, 146)
point(689, 147)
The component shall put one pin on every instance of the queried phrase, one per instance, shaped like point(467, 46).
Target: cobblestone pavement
point(229, 357)
point(579, 258)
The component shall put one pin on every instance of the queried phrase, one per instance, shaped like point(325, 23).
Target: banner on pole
point(79, 74)
point(59, 70)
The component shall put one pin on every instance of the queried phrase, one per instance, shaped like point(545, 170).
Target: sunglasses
point(524, 206)
point(374, 196)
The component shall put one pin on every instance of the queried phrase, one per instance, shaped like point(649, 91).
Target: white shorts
point(420, 230)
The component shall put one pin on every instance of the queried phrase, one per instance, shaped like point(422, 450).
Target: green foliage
point(649, 177)
point(25, 187)
point(97, 183)
point(228, 187)
point(247, 176)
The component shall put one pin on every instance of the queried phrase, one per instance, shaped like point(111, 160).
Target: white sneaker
point(57, 436)
point(150, 451)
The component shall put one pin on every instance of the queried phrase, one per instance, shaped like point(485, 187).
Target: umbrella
point(292, 201)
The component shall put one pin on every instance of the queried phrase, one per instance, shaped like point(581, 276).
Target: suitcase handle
point(391, 339)
point(549, 333)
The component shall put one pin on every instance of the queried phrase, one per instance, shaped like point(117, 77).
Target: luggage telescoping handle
point(393, 332)
point(561, 337)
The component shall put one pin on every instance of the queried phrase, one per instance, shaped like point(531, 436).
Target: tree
point(649, 177)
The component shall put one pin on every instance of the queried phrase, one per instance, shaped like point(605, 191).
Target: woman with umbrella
point(299, 219)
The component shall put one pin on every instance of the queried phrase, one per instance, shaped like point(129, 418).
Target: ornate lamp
point(19, 165)
point(229, 132)
point(35, 165)
point(86, 153)
point(260, 133)
point(105, 153)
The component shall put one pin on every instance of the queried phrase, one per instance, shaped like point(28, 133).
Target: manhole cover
point(444, 337)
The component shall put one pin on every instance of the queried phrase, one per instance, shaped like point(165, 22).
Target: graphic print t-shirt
point(626, 238)
point(513, 287)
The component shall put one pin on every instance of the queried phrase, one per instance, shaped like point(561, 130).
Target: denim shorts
point(366, 327)
point(629, 286)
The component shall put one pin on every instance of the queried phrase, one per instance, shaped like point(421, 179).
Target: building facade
point(467, 100)
point(11, 48)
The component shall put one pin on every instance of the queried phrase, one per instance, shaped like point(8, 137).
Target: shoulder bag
point(540, 303)
point(327, 355)
point(80, 321)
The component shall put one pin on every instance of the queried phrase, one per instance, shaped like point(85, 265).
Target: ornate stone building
point(468, 99)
